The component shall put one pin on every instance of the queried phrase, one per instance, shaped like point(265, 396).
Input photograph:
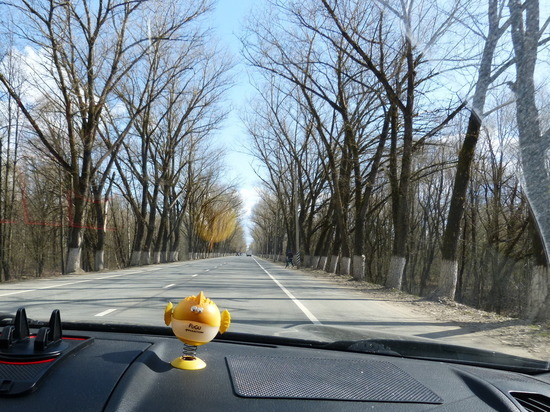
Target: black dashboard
point(116, 368)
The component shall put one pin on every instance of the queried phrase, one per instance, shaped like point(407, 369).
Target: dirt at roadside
point(509, 332)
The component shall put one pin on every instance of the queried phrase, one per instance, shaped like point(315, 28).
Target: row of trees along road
point(387, 129)
point(108, 108)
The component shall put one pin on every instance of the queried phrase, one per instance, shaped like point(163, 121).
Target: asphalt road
point(261, 296)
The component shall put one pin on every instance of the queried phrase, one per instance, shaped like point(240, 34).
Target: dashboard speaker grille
point(329, 379)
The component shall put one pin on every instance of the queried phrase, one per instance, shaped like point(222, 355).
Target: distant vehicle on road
point(249, 253)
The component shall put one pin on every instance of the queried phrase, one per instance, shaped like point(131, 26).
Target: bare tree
point(85, 49)
point(343, 119)
point(283, 141)
point(401, 86)
point(182, 88)
point(486, 75)
point(10, 137)
point(527, 35)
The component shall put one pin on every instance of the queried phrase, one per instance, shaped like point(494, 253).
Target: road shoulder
point(486, 329)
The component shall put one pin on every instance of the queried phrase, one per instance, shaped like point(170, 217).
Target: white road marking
point(55, 285)
point(169, 286)
point(16, 292)
point(105, 312)
point(116, 276)
point(194, 275)
point(306, 311)
point(62, 284)
point(43, 287)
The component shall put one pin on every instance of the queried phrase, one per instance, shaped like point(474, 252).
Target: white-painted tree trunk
point(135, 260)
point(358, 267)
point(323, 265)
point(73, 260)
point(145, 258)
point(395, 272)
point(538, 291)
point(344, 268)
point(333, 263)
point(448, 278)
point(99, 260)
point(174, 256)
point(156, 257)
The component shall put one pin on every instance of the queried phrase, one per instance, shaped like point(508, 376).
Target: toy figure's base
point(189, 364)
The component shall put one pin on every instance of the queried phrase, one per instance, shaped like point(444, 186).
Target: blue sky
point(228, 17)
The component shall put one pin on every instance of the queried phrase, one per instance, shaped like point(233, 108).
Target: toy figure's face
point(198, 309)
point(195, 320)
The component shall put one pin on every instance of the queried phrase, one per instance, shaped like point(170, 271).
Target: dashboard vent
point(532, 402)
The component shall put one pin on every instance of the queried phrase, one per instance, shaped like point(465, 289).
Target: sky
point(228, 17)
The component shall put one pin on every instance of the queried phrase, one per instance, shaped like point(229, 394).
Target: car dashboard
point(127, 368)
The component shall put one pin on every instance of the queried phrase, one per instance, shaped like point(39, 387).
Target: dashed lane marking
point(105, 312)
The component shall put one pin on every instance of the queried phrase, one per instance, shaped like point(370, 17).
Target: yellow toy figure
point(195, 321)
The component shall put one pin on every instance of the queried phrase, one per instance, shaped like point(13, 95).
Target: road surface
point(261, 296)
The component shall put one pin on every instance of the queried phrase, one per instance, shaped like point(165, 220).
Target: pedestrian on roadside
point(289, 258)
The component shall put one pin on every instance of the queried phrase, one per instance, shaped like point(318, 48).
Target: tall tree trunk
point(363, 198)
point(448, 274)
point(533, 144)
point(74, 241)
point(538, 297)
point(400, 198)
point(74, 250)
point(148, 242)
point(150, 228)
point(135, 259)
point(101, 211)
point(101, 207)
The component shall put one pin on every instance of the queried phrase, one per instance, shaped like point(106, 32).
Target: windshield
point(321, 169)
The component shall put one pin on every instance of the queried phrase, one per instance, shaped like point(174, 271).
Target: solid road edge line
point(306, 311)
